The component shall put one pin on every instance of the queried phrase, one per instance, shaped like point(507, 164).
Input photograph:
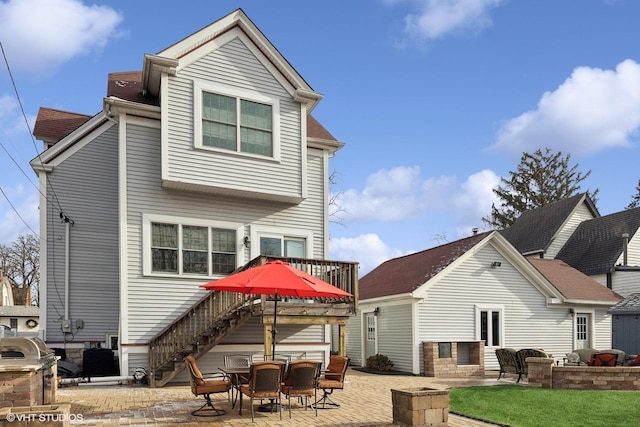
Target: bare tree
point(335, 208)
point(20, 262)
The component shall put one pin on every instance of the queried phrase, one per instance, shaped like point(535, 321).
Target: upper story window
point(238, 122)
point(190, 249)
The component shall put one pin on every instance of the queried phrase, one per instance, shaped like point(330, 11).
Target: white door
point(371, 335)
point(583, 333)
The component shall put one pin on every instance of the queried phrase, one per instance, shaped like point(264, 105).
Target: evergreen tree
point(541, 178)
point(635, 201)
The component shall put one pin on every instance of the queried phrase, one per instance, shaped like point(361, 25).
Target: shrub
point(379, 362)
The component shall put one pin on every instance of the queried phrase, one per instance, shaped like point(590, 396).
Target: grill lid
point(24, 349)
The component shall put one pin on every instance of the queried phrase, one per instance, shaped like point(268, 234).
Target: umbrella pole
point(273, 328)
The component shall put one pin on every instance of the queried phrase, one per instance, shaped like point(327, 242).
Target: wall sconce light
point(496, 264)
point(572, 311)
point(246, 242)
point(376, 311)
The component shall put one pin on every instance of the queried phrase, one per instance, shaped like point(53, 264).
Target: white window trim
point(199, 87)
point(499, 308)
point(262, 231)
point(147, 219)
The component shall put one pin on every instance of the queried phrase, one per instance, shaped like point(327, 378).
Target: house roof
point(52, 125)
point(573, 284)
point(629, 305)
point(596, 245)
point(534, 230)
point(19, 311)
point(405, 274)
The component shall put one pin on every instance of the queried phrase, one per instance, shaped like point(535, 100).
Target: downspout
point(66, 323)
point(625, 248)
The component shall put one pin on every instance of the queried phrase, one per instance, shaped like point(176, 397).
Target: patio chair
point(621, 355)
point(237, 361)
point(508, 361)
point(584, 355)
point(522, 356)
point(332, 379)
point(301, 381)
point(603, 359)
point(200, 386)
point(264, 383)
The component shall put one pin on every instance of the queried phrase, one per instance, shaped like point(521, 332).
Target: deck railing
point(195, 322)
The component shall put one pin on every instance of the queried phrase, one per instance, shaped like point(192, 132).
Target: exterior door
point(370, 333)
point(583, 333)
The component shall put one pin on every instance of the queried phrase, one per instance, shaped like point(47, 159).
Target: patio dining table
point(237, 374)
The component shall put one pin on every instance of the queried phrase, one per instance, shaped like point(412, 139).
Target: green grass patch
point(534, 407)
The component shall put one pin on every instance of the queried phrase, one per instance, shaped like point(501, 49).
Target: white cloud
point(26, 202)
point(367, 249)
point(400, 193)
point(438, 18)
point(591, 111)
point(39, 35)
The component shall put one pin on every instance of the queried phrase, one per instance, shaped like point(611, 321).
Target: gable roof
point(52, 125)
point(535, 229)
point(181, 54)
point(407, 273)
point(596, 245)
point(574, 285)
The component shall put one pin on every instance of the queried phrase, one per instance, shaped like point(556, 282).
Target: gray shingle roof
point(533, 231)
point(596, 245)
point(629, 305)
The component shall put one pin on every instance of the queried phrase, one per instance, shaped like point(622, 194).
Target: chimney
point(625, 248)
point(474, 230)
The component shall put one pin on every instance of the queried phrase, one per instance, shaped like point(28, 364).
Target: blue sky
point(434, 99)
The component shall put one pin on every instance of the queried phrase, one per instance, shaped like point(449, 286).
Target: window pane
point(223, 247)
point(223, 263)
point(219, 121)
point(255, 142)
point(254, 115)
point(223, 240)
point(164, 235)
point(294, 248)
point(164, 260)
point(219, 135)
point(218, 108)
point(164, 247)
point(495, 328)
point(194, 262)
point(194, 237)
point(256, 126)
point(484, 327)
point(270, 246)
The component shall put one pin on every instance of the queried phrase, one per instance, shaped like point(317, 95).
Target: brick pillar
point(429, 351)
point(540, 372)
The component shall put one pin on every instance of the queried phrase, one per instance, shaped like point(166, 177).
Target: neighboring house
point(6, 290)
point(606, 248)
point(476, 289)
point(203, 161)
point(625, 318)
point(24, 320)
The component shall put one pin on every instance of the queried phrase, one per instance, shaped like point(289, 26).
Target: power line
point(17, 213)
point(24, 115)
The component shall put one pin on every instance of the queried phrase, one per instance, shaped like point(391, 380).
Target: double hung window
point(245, 123)
point(186, 249)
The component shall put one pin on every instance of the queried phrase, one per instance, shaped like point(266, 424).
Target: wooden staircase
point(197, 331)
point(218, 314)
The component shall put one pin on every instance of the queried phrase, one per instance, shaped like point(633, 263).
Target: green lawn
point(528, 407)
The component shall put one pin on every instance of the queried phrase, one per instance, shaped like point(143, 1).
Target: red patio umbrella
point(276, 278)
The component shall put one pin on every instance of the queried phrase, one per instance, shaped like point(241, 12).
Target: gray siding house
point(206, 159)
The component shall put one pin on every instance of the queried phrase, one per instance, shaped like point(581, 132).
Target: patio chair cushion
point(573, 358)
point(636, 361)
point(603, 359)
